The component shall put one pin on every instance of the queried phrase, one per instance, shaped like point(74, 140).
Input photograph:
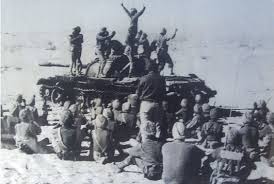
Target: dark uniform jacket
point(212, 131)
point(152, 87)
point(250, 136)
point(76, 42)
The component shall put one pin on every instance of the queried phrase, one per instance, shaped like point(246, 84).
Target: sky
point(208, 18)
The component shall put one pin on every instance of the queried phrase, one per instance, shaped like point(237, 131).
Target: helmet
point(103, 29)
point(133, 11)
point(163, 31)
point(77, 29)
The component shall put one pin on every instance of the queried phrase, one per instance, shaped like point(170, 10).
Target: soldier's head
point(77, 29)
point(103, 30)
point(198, 98)
point(206, 108)
point(24, 115)
point(19, 98)
point(144, 36)
point(178, 131)
point(184, 103)
point(270, 118)
point(116, 104)
point(133, 11)
point(248, 118)
point(164, 31)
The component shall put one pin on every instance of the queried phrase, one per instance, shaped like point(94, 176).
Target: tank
point(115, 84)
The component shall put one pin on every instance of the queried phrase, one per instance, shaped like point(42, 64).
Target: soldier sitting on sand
point(13, 118)
point(26, 134)
point(181, 161)
point(64, 140)
point(76, 40)
point(184, 112)
point(250, 135)
point(103, 144)
point(212, 131)
point(266, 146)
point(147, 155)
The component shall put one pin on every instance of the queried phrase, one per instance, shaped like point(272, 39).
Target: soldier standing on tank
point(76, 40)
point(102, 38)
point(132, 32)
point(162, 50)
point(144, 43)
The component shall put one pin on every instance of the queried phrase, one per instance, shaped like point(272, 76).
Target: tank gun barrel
point(49, 64)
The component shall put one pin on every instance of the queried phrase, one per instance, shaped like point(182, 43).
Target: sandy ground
point(241, 71)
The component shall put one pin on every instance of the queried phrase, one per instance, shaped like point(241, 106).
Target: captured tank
point(115, 84)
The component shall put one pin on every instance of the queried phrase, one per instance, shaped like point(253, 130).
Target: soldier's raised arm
point(173, 36)
point(126, 10)
point(141, 12)
point(112, 35)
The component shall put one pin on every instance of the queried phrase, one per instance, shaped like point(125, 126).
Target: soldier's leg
point(73, 64)
point(101, 61)
point(170, 63)
point(128, 53)
point(79, 62)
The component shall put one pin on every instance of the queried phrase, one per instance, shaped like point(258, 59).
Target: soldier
point(132, 32)
point(206, 112)
point(267, 148)
point(212, 131)
point(33, 109)
point(162, 50)
point(185, 113)
point(13, 118)
point(147, 156)
point(103, 144)
point(151, 91)
point(144, 46)
point(76, 40)
point(102, 39)
point(26, 133)
point(250, 135)
point(181, 161)
point(64, 139)
point(194, 126)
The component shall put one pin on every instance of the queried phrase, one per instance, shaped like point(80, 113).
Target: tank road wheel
point(56, 95)
point(42, 91)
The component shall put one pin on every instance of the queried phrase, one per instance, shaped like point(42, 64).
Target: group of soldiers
point(177, 146)
point(136, 43)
